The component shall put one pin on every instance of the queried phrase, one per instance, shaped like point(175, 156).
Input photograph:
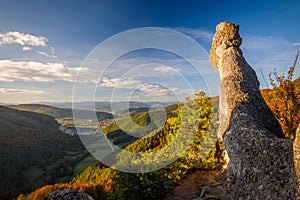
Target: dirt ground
point(200, 185)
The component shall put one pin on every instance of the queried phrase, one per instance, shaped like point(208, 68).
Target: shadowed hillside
point(31, 147)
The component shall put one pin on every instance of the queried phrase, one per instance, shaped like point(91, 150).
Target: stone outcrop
point(261, 161)
point(296, 147)
point(69, 194)
point(239, 83)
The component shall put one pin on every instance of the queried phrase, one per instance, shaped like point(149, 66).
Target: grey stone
point(261, 162)
point(239, 83)
point(296, 146)
point(69, 195)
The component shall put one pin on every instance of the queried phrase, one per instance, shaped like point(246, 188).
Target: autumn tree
point(284, 100)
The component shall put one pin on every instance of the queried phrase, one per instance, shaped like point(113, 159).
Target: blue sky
point(43, 45)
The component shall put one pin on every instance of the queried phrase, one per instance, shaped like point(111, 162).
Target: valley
point(36, 127)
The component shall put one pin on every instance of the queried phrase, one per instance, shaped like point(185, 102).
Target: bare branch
point(264, 78)
point(295, 62)
point(292, 68)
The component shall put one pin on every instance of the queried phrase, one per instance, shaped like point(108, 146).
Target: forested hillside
point(125, 135)
point(31, 147)
point(102, 182)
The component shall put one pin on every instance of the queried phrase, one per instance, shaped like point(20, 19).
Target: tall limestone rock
point(261, 162)
point(296, 146)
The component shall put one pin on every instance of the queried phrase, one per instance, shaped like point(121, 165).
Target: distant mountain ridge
point(106, 106)
point(58, 112)
point(104, 110)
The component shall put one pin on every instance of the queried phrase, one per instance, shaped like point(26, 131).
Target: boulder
point(69, 195)
point(261, 162)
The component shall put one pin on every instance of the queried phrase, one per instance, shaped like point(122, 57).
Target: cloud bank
point(146, 89)
point(11, 71)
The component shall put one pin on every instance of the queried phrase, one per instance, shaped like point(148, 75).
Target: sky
point(57, 51)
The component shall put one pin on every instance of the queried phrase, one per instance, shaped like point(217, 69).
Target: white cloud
point(46, 54)
point(50, 55)
point(13, 90)
point(147, 89)
point(11, 71)
point(52, 51)
point(26, 48)
point(196, 33)
point(165, 69)
point(296, 44)
point(151, 90)
point(128, 83)
point(22, 39)
point(154, 90)
point(147, 67)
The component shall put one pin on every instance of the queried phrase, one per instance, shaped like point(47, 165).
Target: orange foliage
point(284, 100)
point(97, 191)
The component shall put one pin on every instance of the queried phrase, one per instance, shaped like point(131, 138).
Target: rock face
point(239, 82)
point(69, 194)
point(296, 146)
point(261, 161)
